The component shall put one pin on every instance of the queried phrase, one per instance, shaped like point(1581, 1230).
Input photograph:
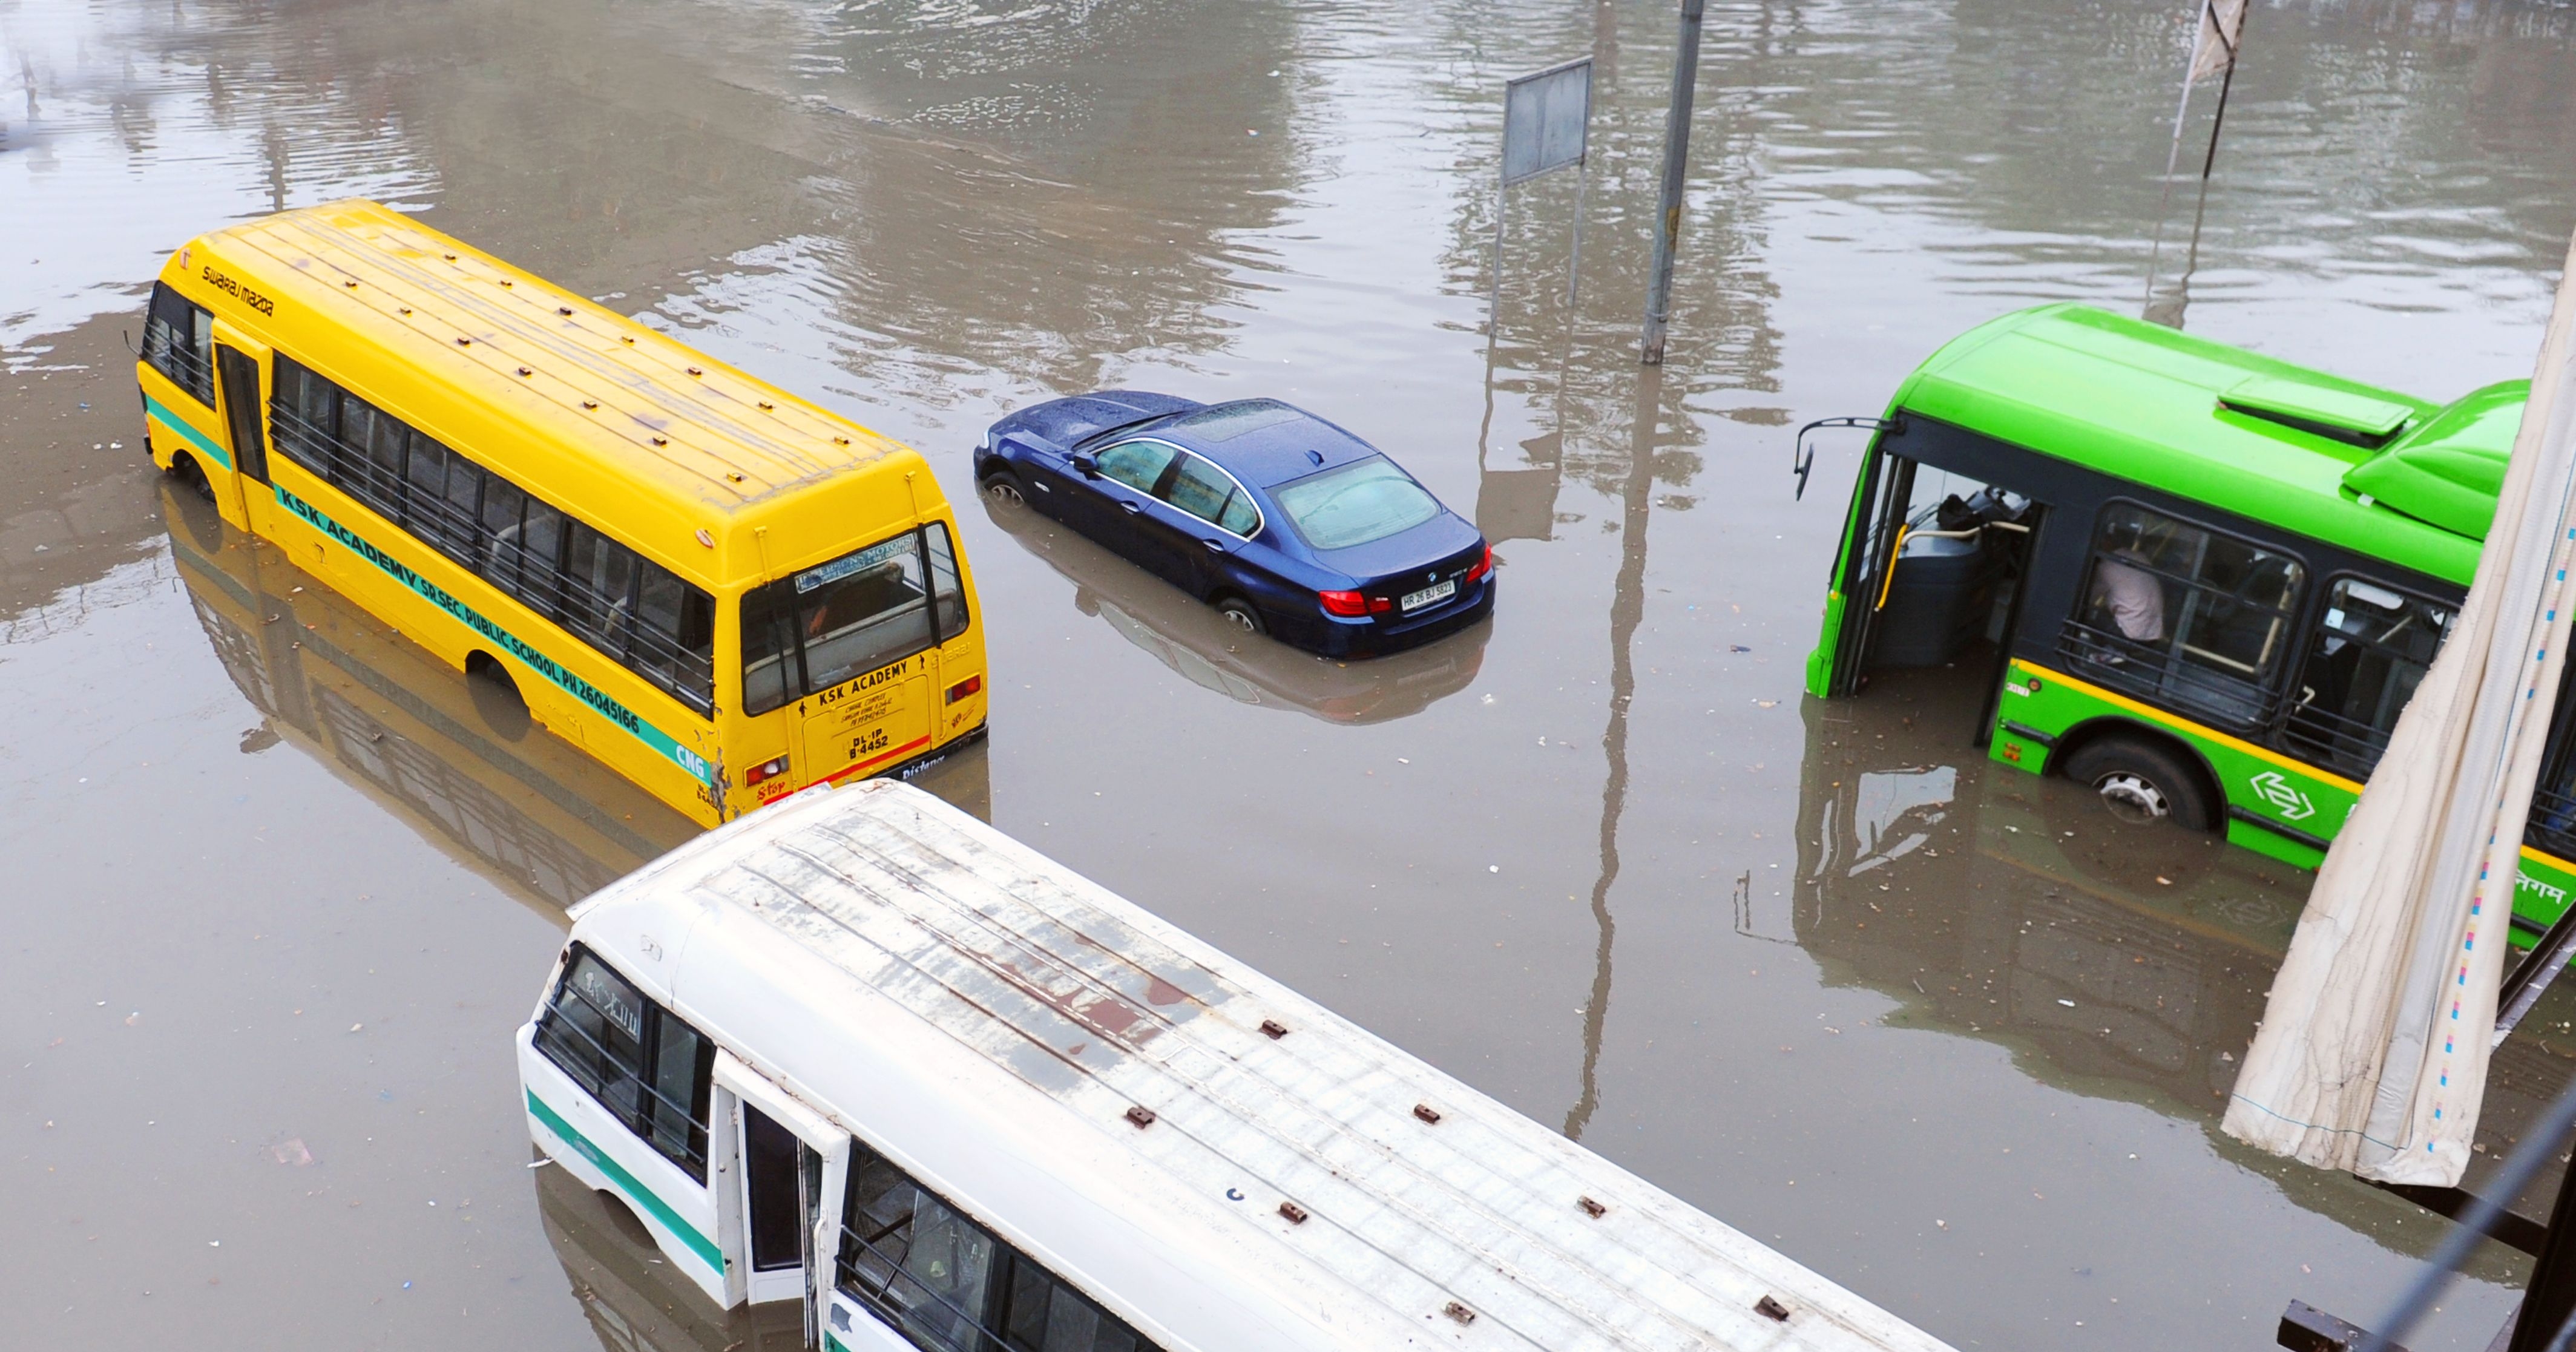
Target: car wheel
point(2143, 782)
point(1239, 613)
point(1004, 487)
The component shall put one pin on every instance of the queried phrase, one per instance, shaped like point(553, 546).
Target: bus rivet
point(505, 281)
point(1427, 1113)
point(695, 371)
point(1591, 1208)
point(734, 474)
point(840, 441)
point(449, 257)
point(1141, 1115)
point(1274, 1028)
point(352, 284)
point(1296, 1214)
point(628, 339)
point(563, 309)
point(590, 403)
point(1459, 1312)
point(706, 539)
point(525, 371)
point(465, 342)
point(659, 441)
point(766, 404)
point(406, 309)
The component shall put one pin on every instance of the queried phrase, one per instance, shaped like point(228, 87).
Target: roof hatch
point(2340, 415)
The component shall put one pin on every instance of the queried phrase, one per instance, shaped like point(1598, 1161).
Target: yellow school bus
point(720, 590)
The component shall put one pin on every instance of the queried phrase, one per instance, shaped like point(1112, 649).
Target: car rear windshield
point(1356, 503)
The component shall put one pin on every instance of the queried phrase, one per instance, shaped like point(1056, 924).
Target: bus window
point(950, 1286)
point(854, 614)
point(2185, 616)
point(651, 1070)
point(179, 342)
point(949, 597)
point(2368, 652)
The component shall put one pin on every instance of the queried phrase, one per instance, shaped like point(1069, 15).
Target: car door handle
point(1132, 508)
point(1214, 546)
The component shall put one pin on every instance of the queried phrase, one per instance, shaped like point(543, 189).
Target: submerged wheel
point(1239, 613)
point(496, 696)
point(1004, 488)
point(2142, 782)
point(185, 469)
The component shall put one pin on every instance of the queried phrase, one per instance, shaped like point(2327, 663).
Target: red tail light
point(1343, 603)
point(764, 772)
point(1483, 566)
point(971, 685)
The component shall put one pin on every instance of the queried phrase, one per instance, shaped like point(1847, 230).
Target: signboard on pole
point(1546, 117)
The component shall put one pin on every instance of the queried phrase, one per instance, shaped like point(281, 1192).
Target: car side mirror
point(1086, 464)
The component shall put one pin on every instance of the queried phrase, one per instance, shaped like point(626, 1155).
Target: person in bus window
point(2123, 586)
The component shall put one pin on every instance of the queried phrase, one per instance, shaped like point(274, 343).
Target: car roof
point(1262, 441)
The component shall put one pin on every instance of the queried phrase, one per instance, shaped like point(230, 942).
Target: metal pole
point(1668, 218)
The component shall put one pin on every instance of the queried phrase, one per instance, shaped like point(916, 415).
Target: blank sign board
point(1544, 120)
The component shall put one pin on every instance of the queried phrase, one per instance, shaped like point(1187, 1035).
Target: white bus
point(863, 1051)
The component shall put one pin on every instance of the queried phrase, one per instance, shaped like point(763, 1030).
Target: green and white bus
point(2206, 580)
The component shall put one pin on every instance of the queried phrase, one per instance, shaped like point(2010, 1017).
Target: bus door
point(871, 655)
point(779, 1213)
point(1862, 570)
point(240, 364)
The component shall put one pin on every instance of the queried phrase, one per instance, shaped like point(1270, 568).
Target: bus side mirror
point(1086, 464)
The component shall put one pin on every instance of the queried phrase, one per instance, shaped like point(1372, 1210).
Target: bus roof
point(629, 399)
point(2372, 470)
point(988, 1018)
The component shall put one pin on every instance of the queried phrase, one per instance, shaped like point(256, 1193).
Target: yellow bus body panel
point(722, 478)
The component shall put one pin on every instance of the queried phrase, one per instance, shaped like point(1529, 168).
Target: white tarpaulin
point(2373, 1051)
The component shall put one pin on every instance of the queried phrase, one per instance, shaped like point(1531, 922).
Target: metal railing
point(2152, 672)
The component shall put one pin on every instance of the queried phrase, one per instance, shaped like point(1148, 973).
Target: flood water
point(280, 890)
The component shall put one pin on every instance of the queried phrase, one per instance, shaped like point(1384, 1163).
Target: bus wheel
point(496, 696)
point(2142, 782)
point(185, 469)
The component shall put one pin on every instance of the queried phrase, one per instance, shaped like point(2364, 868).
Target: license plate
point(1441, 591)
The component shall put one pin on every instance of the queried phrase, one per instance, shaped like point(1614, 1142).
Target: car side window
point(1137, 464)
point(1211, 495)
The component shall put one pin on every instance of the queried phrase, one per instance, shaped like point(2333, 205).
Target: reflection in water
point(1627, 607)
point(529, 808)
point(458, 757)
point(1192, 640)
point(2118, 961)
point(628, 1291)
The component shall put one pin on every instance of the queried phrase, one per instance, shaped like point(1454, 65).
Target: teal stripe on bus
point(662, 742)
point(161, 413)
point(699, 1244)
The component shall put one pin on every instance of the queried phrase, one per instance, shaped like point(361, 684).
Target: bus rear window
point(820, 626)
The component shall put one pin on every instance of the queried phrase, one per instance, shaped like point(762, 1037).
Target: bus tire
point(185, 469)
point(2144, 781)
point(496, 696)
point(1238, 612)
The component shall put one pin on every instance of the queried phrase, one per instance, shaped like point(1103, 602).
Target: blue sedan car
point(1286, 524)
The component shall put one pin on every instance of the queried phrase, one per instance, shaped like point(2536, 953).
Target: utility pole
point(1668, 219)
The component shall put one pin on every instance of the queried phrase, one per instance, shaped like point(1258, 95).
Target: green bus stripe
point(699, 1244)
point(529, 656)
point(188, 434)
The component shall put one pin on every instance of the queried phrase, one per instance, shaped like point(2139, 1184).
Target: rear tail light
point(1483, 566)
point(764, 772)
point(1343, 602)
point(970, 686)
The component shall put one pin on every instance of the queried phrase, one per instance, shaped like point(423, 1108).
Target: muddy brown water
point(1944, 1032)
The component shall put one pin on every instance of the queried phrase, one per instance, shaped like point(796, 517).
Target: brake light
point(764, 772)
point(1483, 566)
point(1343, 603)
point(971, 685)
